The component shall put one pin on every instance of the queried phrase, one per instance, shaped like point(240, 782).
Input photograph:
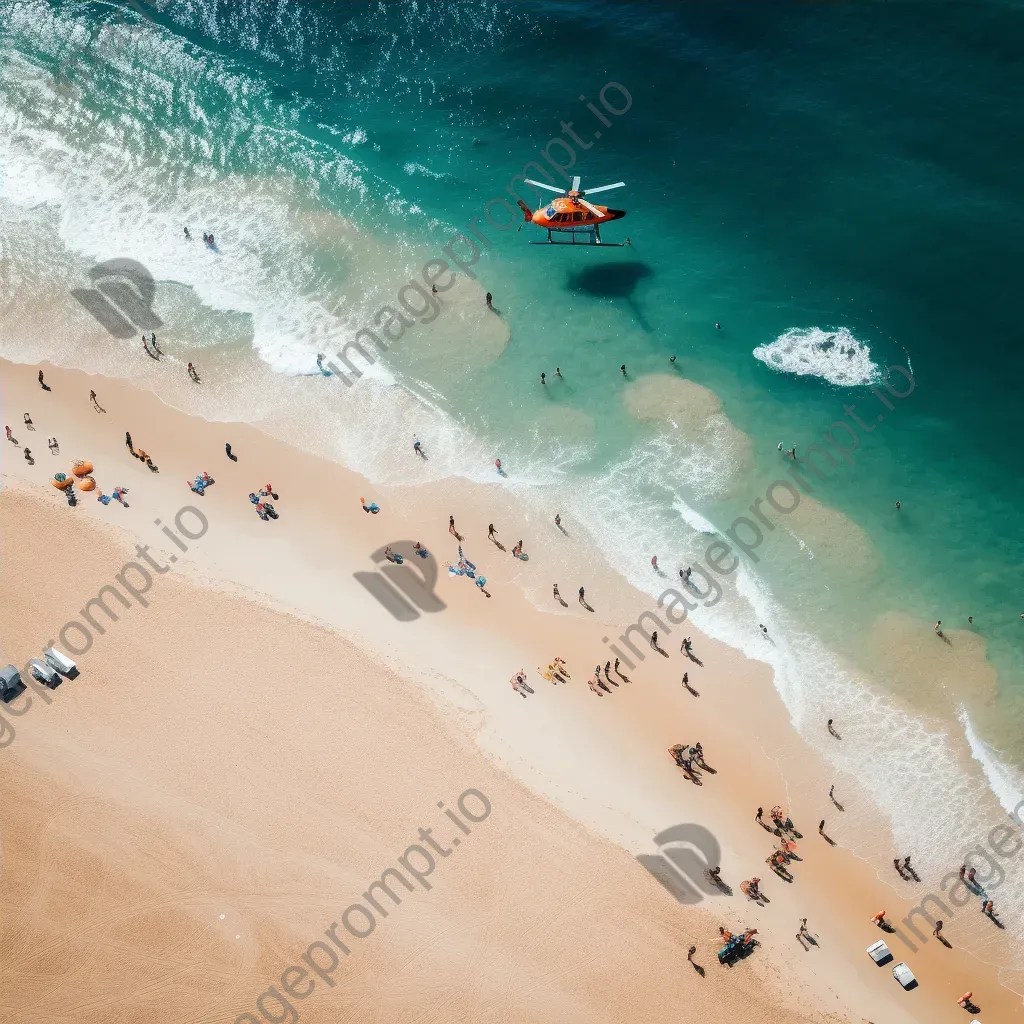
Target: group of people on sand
point(555, 673)
point(691, 760)
point(140, 454)
point(602, 686)
point(264, 509)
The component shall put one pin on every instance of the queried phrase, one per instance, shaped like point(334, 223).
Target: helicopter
point(571, 213)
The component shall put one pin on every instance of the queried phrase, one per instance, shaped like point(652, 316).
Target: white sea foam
point(414, 168)
point(834, 355)
point(1004, 780)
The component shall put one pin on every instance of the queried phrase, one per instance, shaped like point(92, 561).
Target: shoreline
point(618, 784)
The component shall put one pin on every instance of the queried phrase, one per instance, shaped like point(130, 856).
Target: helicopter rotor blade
point(541, 184)
point(576, 184)
point(593, 209)
point(603, 188)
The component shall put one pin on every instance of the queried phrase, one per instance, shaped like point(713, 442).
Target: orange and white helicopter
point(571, 213)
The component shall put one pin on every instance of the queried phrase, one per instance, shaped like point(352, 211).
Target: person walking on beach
point(759, 816)
point(128, 442)
point(654, 562)
point(938, 628)
point(689, 955)
point(194, 374)
point(451, 529)
point(490, 531)
point(654, 640)
point(583, 599)
point(896, 865)
point(832, 730)
point(42, 383)
point(228, 452)
point(10, 436)
point(417, 448)
point(557, 595)
point(879, 919)
point(937, 930)
point(558, 521)
point(489, 297)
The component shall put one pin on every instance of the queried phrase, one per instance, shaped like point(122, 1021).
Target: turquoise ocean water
point(843, 175)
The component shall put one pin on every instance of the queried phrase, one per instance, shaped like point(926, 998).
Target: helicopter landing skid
point(598, 245)
point(590, 238)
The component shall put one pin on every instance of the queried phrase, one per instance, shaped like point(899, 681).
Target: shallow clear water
point(838, 186)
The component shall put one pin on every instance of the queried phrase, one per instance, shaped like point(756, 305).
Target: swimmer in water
point(558, 373)
point(780, 446)
point(622, 369)
point(543, 378)
point(899, 505)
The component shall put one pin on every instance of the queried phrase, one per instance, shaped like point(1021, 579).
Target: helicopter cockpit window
point(577, 217)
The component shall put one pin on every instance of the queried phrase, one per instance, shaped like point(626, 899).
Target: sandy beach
point(252, 746)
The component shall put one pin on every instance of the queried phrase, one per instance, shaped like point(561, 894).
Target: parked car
point(904, 975)
point(879, 952)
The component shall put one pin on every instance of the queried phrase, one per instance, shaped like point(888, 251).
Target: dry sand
point(263, 739)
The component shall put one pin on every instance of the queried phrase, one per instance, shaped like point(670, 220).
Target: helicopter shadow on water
point(614, 281)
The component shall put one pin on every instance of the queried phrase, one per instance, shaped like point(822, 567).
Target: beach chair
point(45, 673)
point(61, 662)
